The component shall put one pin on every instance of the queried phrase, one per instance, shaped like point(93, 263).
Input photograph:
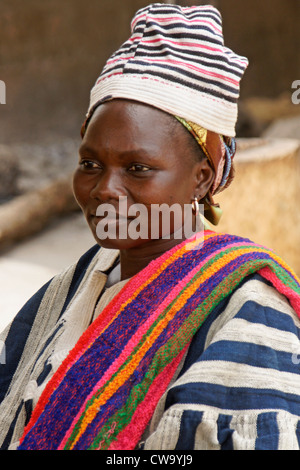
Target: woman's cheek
point(81, 188)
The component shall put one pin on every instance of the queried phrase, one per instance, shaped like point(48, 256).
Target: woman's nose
point(108, 187)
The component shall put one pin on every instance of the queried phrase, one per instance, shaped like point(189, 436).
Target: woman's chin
point(121, 240)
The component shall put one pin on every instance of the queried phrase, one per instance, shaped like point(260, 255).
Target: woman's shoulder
point(60, 289)
point(39, 315)
point(241, 373)
point(254, 305)
point(258, 302)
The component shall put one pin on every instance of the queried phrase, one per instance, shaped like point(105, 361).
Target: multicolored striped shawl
point(105, 392)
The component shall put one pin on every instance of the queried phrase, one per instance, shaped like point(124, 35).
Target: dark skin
point(134, 150)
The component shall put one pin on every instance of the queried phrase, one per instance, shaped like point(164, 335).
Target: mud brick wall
point(51, 53)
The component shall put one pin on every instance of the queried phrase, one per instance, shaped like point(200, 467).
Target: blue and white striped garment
point(237, 388)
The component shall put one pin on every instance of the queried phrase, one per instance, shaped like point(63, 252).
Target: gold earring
point(196, 211)
point(200, 221)
point(195, 206)
point(212, 211)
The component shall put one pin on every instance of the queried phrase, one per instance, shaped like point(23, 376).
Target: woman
point(183, 340)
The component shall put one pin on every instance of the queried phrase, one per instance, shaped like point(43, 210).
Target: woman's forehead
point(129, 124)
point(132, 112)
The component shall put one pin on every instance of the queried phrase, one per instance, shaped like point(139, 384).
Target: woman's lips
point(117, 217)
point(110, 221)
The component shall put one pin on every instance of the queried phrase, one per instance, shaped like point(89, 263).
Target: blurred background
point(51, 53)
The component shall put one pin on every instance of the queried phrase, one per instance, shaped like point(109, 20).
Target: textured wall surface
point(262, 202)
point(51, 53)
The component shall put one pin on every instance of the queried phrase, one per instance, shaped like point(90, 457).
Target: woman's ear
point(204, 177)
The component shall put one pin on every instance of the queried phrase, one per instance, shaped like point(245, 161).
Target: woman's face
point(141, 155)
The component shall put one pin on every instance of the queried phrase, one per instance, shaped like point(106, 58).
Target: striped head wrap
point(219, 150)
point(176, 61)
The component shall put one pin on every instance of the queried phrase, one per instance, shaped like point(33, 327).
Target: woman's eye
point(140, 168)
point(88, 165)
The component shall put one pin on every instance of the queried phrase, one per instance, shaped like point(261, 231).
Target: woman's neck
point(135, 259)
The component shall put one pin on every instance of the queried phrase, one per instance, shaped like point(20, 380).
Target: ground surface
point(26, 267)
